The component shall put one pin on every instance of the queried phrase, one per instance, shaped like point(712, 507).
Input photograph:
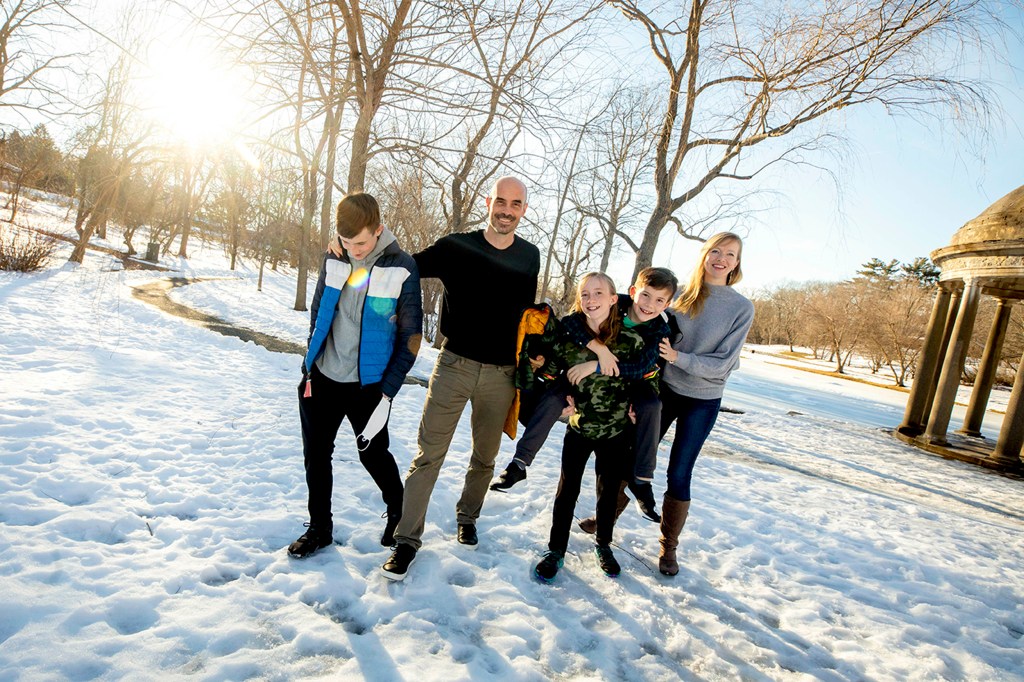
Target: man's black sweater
point(485, 292)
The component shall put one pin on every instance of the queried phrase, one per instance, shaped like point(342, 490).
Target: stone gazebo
point(984, 258)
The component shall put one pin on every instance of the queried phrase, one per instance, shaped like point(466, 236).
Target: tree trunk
point(327, 204)
point(308, 211)
point(606, 252)
point(360, 146)
point(235, 237)
point(655, 225)
point(83, 241)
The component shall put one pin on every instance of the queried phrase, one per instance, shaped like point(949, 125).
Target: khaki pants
point(455, 381)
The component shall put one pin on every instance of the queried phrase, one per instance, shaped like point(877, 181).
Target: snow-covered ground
point(152, 476)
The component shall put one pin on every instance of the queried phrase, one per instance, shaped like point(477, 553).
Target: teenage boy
point(641, 310)
point(365, 325)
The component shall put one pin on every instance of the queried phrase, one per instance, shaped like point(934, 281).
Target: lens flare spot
point(358, 278)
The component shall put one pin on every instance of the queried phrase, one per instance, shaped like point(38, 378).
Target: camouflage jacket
point(602, 402)
point(646, 365)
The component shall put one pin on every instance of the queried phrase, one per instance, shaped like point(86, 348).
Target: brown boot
point(673, 518)
point(589, 524)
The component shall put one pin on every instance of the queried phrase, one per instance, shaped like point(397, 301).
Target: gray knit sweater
point(709, 346)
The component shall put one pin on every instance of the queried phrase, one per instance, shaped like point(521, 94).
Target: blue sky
point(906, 187)
point(906, 191)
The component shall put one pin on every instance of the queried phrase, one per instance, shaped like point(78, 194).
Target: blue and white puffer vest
point(392, 316)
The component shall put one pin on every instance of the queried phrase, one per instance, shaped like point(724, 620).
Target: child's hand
point(578, 373)
point(667, 352)
point(334, 246)
point(608, 362)
point(632, 414)
point(537, 362)
point(570, 410)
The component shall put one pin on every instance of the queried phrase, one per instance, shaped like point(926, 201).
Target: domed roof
point(989, 249)
point(1002, 221)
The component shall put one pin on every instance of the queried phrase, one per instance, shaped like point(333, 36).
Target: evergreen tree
point(921, 269)
point(878, 270)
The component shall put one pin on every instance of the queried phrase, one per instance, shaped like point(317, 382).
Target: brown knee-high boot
point(673, 518)
point(589, 524)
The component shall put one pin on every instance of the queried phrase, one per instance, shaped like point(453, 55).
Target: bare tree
point(738, 77)
point(30, 30)
point(139, 202)
point(300, 46)
point(894, 317)
point(412, 211)
point(574, 253)
point(780, 315)
point(500, 62)
point(28, 161)
point(621, 154)
point(234, 204)
point(832, 309)
point(114, 143)
point(373, 47)
point(192, 171)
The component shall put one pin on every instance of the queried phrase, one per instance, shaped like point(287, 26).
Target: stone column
point(924, 377)
point(987, 371)
point(953, 365)
point(1011, 436)
point(947, 334)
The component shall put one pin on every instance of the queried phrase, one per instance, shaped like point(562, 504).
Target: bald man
point(489, 276)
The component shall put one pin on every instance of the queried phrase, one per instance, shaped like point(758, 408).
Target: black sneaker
point(548, 567)
point(512, 474)
point(644, 498)
point(467, 535)
point(606, 560)
point(388, 538)
point(398, 563)
point(313, 539)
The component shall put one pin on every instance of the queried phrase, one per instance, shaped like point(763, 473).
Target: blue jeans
point(695, 418)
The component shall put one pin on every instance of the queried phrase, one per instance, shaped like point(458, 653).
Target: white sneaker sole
point(642, 513)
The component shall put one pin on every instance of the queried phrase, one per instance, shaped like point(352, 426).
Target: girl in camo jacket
point(598, 425)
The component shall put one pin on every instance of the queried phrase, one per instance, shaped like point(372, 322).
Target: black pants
point(541, 410)
point(321, 415)
point(647, 407)
point(613, 465)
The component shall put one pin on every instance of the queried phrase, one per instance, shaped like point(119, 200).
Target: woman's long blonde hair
point(609, 329)
point(691, 300)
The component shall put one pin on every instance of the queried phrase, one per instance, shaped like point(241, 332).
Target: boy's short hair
point(356, 212)
point(657, 278)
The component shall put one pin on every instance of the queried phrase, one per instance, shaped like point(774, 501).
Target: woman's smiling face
point(720, 261)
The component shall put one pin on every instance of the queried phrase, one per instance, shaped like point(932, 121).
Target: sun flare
point(194, 94)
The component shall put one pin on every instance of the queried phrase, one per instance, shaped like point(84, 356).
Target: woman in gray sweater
point(713, 320)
